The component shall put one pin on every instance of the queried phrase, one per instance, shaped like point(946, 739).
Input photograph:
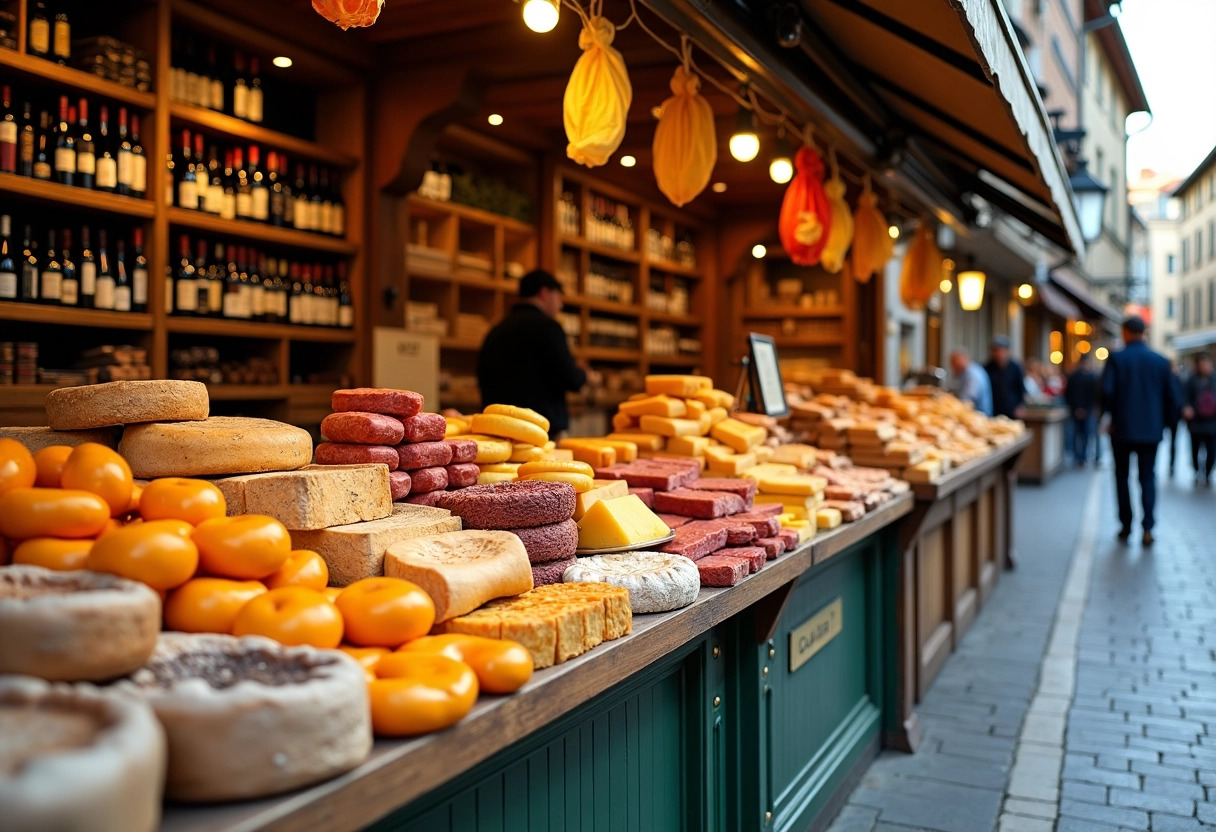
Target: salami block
point(737, 534)
point(768, 509)
point(612, 472)
point(401, 403)
point(425, 427)
point(511, 505)
point(428, 479)
point(399, 483)
point(424, 455)
point(673, 521)
point(696, 545)
point(362, 428)
point(766, 525)
point(745, 488)
point(335, 453)
point(430, 498)
point(702, 504)
point(773, 546)
point(789, 537)
point(462, 475)
point(843, 492)
point(463, 450)
point(646, 495)
point(661, 475)
point(722, 570)
point(850, 510)
point(754, 555)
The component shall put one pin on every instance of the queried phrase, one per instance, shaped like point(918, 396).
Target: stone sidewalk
point(1084, 696)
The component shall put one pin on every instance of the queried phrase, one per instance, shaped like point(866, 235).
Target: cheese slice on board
point(620, 521)
point(657, 582)
point(602, 490)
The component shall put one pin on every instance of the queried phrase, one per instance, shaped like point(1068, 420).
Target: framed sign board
point(767, 387)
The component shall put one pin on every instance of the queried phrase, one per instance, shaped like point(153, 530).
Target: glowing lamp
point(971, 289)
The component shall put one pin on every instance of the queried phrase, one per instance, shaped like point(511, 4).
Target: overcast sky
point(1173, 43)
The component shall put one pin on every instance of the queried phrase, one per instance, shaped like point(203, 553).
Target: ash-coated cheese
point(657, 582)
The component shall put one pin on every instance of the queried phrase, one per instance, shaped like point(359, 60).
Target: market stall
point(1045, 456)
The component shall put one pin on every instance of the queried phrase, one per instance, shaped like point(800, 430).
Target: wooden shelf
point(599, 305)
point(185, 218)
point(668, 318)
point(608, 354)
point(600, 250)
point(669, 267)
point(473, 279)
point(674, 360)
point(776, 312)
point(809, 340)
point(248, 131)
point(253, 329)
point(459, 345)
point(77, 197)
point(25, 396)
point(310, 393)
point(245, 392)
point(76, 79)
point(66, 316)
point(437, 207)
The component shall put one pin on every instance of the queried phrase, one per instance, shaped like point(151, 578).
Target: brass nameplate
point(811, 637)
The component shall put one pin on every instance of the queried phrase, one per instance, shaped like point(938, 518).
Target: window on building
point(1199, 197)
point(1198, 247)
point(1186, 309)
point(1212, 301)
point(1169, 309)
point(1186, 256)
point(1116, 204)
point(1198, 306)
point(1211, 239)
point(1171, 264)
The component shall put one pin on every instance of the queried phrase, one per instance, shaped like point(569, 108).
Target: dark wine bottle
point(69, 283)
point(185, 288)
point(202, 280)
point(27, 289)
point(8, 132)
point(139, 273)
point(104, 294)
point(61, 41)
point(123, 290)
point(39, 43)
point(8, 265)
point(126, 162)
point(187, 182)
point(43, 169)
point(87, 271)
point(139, 162)
point(253, 105)
point(86, 151)
point(65, 147)
point(107, 165)
point(27, 141)
point(258, 194)
point(51, 277)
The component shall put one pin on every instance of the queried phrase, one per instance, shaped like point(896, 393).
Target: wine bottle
point(186, 288)
point(216, 97)
point(259, 195)
point(240, 90)
point(257, 291)
point(275, 188)
point(86, 152)
point(244, 193)
point(215, 283)
point(27, 140)
point(69, 282)
point(192, 78)
point(139, 162)
point(103, 297)
point(107, 165)
point(315, 201)
point(289, 202)
point(40, 30)
point(346, 311)
point(202, 282)
point(27, 289)
point(228, 206)
point(303, 208)
point(61, 44)
point(65, 147)
point(213, 196)
point(201, 184)
point(126, 162)
point(245, 302)
point(338, 218)
point(187, 182)
point(88, 271)
point(123, 288)
point(8, 133)
point(325, 215)
point(177, 74)
point(8, 266)
point(232, 287)
point(308, 298)
point(253, 104)
point(43, 168)
point(139, 273)
point(295, 307)
point(51, 276)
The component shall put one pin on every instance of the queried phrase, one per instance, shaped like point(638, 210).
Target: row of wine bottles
point(71, 272)
point(72, 149)
point(204, 76)
point(235, 184)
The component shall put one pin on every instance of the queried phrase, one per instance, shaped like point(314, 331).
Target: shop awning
point(1195, 340)
point(1074, 285)
point(1057, 302)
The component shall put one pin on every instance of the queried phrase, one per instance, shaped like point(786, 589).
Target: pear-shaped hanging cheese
point(841, 235)
point(685, 145)
point(348, 13)
point(922, 271)
point(872, 243)
point(597, 98)
point(806, 219)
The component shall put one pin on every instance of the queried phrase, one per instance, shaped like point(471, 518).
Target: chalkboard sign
point(767, 387)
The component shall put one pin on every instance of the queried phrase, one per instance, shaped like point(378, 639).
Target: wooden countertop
point(963, 475)
point(399, 771)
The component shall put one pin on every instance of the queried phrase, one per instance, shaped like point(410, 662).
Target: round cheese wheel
point(249, 717)
point(657, 582)
point(74, 626)
point(77, 757)
point(125, 403)
point(218, 446)
point(37, 438)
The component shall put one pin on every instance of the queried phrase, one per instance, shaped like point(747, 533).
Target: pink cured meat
point(843, 492)
point(646, 495)
point(429, 479)
point(462, 475)
point(673, 521)
point(425, 427)
point(424, 455)
point(399, 483)
point(705, 505)
point(737, 534)
point(430, 498)
point(790, 538)
point(683, 463)
point(754, 555)
point(334, 453)
point(612, 472)
point(773, 546)
point(850, 510)
point(697, 544)
point(722, 570)
point(765, 525)
point(660, 475)
point(463, 450)
point(555, 541)
point(744, 488)
point(544, 574)
point(400, 403)
point(362, 428)
point(767, 509)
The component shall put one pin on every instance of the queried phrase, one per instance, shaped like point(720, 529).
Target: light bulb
point(758, 251)
point(781, 170)
point(541, 15)
point(1057, 357)
point(628, 161)
point(1025, 291)
point(282, 62)
point(495, 119)
point(745, 146)
point(718, 187)
point(945, 286)
point(893, 231)
point(1101, 353)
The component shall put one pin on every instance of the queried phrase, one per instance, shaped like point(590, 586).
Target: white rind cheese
point(657, 582)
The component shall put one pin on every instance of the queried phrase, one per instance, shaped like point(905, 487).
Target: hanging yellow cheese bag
point(597, 97)
point(841, 235)
point(922, 271)
point(872, 244)
point(685, 145)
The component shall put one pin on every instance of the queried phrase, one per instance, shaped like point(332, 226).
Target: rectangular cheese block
point(743, 487)
point(800, 456)
point(755, 556)
point(705, 505)
point(655, 406)
point(678, 385)
point(828, 518)
point(717, 414)
point(804, 528)
point(626, 451)
point(803, 484)
point(623, 421)
point(666, 426)
point(872, 432)
point(356, 551)
point(722, 570)
point(738, 435)
point(688, 445)
point(620, 521)
point(314, 497)
point(603, 490)
point(731, 464)
point(597, 456)
point(695, 408)
point(646, 495)
point(643, 441)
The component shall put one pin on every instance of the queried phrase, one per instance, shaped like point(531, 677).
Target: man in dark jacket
point(526, 360)
point(1007, 380)
point(1199, 410)
point(1139, 394)
point(1081, 396)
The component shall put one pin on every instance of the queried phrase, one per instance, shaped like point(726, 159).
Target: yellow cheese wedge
point(623, 421)
point(525, 413)
point(500, 468)
point(665, 426)
point(643, 441)
point(509, 427)
point(489, 478)
point(770, 469)
point(555, 466)
point(717, 414)
point(581, 482)
point(636, 397)
point(828, 518)
point(732, 465)
point(695, 408)
point(620, 521)
point(716, 398)
point(655, 406)
point(688, 445)
point(763, 453)
point(523, 452)
point(490, 448)
point(796, 484)
point(678, 385)
point(603, 490)
point(738, 435)
point(597, 456)
point(456, 426)
point(716, 450)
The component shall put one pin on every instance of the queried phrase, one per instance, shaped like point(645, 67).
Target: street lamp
point(971, 289)
point(1089, 199)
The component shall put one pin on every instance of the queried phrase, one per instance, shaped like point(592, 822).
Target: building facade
point(1196, 306)
point(1152, 197)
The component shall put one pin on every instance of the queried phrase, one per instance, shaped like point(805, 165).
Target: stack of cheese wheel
point(507, 437)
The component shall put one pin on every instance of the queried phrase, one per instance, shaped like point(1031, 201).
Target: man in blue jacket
point(1139, 394)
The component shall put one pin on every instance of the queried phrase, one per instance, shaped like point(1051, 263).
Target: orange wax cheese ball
point(248, 546)
point(137, 492)
point(417, 693)
point(368, 657)
point(385, 612)
point(101, 470)
point(49, 462)
point(180, 498)
point(55, 553)
point(208, 605)
point(305, 568)
point(158, 553)
point(52, 512)
point(501, 665)
point(291, 615)
point(17, 466)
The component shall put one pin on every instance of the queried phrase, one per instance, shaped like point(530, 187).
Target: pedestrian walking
point(1199, 410)
point(1006, 379)
point(1139, 394)
point(1172, 427)
point(970, 382)
point(1081, 398)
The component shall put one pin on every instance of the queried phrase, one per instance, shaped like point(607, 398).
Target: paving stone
point(1088, 792)
point(930, 811)
point(1030, 808)
point(1206, 812)
point(855, 819)
point(1019, 823)
point(1066, 824)
point(1152, 802)
point(1170, 823)
point(1111, 815)
point(1173, 788)
point(1102, 776)
point(1162, 773)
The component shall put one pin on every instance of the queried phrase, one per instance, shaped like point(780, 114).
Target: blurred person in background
point(1006, 380)
point(970, 382)
point(1199, 410)
point(1081, 398)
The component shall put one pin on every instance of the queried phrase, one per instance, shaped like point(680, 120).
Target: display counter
point(753, 708)
point(954, 545)
point(1045, 456)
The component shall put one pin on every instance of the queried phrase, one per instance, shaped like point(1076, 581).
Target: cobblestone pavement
point(1080, 700)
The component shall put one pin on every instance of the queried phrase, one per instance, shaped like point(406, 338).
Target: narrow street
point(1084, 697)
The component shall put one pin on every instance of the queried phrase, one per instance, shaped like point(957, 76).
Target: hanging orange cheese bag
point(922, 271)
point(685, 145)
point(597, 98)
point(347, 13)
point(806, 219)
point(872, 244)
point(841, 234)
